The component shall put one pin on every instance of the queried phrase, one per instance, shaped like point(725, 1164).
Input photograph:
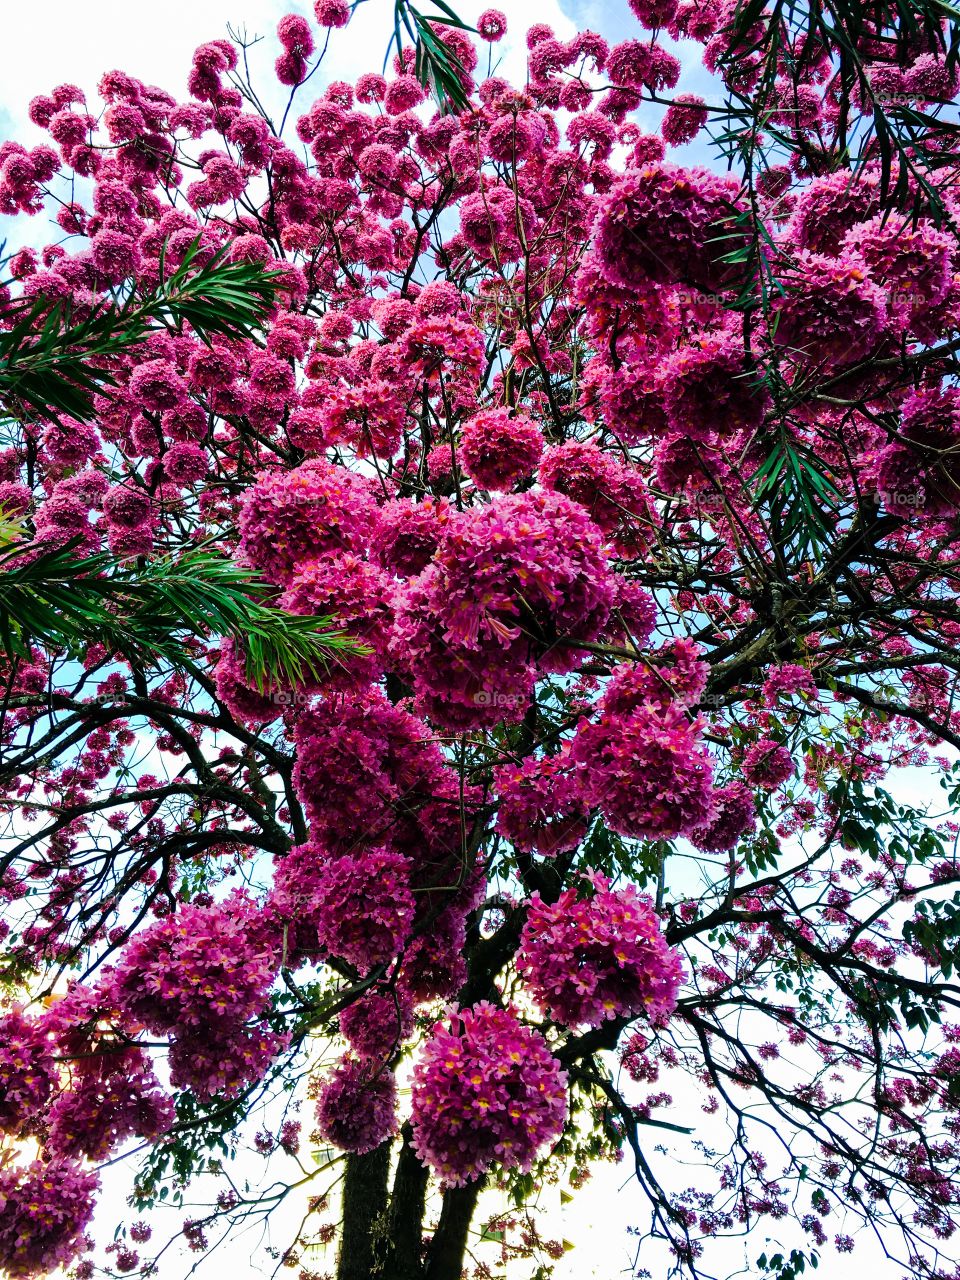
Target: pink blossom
point(486, 1091)
point(126, 506)
point(832, 313)
point(357, 1106)
point(767, 764)
point(28, 1070)
point(654, 13)
point(497, 449)
point(113, 1095)
point(293, 32)
point(660, 223)
point(540, 806)
point(367, 769)
point(597, 953)
point(358, 596)
point(293, 516)
point(514, 583)
point(186, 463)
point(43, 1210)
point(684, 119)
point(708, 389)
point(156, 384)
point(408, 533)
point(735, 818)
point(789, 679)
point(433, 964)
point(646, 771)
point(361, 906)
point(239, 693)
point(377, 1024)
point(492, 25)
point(332, 13)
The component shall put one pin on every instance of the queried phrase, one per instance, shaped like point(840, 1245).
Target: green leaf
point(52, 362)
point(50, 596)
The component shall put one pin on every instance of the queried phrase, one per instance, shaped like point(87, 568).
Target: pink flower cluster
point(832, 313)
point(735, 817)
point(378, 1023)
point(28, 1072)
point(613, 494)
point(359, 907)
point(498, 449)
point(919, 470)
point(486, 1090)
point(767, 764)
point(512, 589)
point(408, 534)
point(357, 1106)
point(660, 224)
point(788, 680)
point(360, 598)
point(292, 516)
point(201, 976)
point(113, 1095)
point(684, 119)
point(540, 806)
point(708, 389)
point(598, 953)
point(371, 773)
point(643, 762)
point(44, 1208)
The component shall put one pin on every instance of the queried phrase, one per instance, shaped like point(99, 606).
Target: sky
point(48, 42)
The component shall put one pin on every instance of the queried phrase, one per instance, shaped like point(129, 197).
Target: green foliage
point(437, 66)
point(782, 1268)
point(54, 362)
point(802, 500)
point(201, 1130)
point(936, 929)
point(904, 138)
point(50, 596)
point(874, 823)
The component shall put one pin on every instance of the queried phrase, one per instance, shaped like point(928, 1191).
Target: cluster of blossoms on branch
point(514, 424)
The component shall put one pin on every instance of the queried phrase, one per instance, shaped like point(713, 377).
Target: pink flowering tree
point(636, 483)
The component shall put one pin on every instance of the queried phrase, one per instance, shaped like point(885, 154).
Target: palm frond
point(437, 66)
point(52, 362)
point(49, 596)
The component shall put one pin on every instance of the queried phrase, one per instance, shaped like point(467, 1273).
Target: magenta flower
point(767, 764)
point(497, 450)
point(598, 953)
point(486, 1090)
point(357, 1106)
point(361, 907)
point(28, 1070)
point(660, 224)
point(43, 1210)
point(292, 516)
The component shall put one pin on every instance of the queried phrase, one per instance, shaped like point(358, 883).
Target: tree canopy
point(473, 575)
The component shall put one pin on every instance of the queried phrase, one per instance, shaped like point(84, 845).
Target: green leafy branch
point(56, 599)
point(49, 358)
point(759, 28)
point(799, 493)
point(437, 66)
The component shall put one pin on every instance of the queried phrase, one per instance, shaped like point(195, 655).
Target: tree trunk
point(402, 1258)
point(364, 1214)
point(449, 1244)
